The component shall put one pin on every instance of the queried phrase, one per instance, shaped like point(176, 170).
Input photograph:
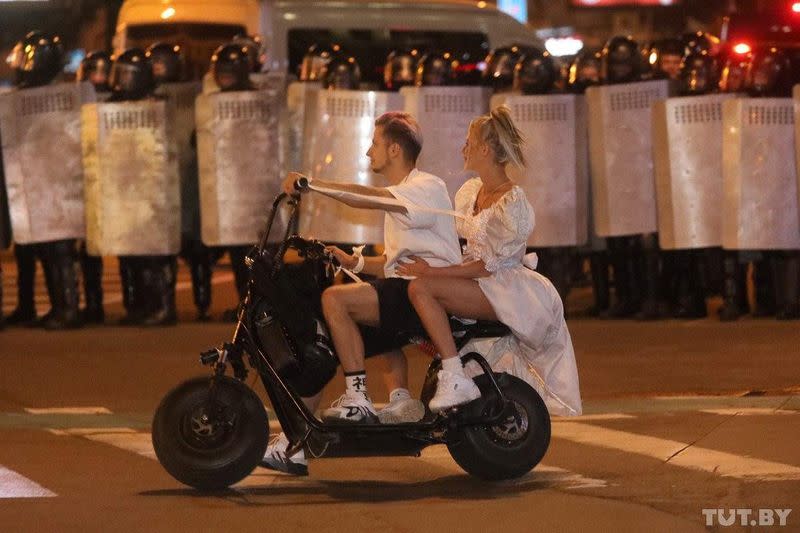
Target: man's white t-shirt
point(430, 236)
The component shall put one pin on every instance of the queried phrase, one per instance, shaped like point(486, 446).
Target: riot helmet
point(230, 67)
point(699, 41)
point(400, 69)
point(500, 65)
point(435, 69)
point(314, 61)
point(37, 59)
point(620, 61)
point(96, 68)
point(131, 75)
point(734, 74)
point(342, 72)
point(167, 61)
point(770, 74)
point(255, 49)
point(665, 59)
point(584, 71)
point(535, 73)
point(699, 74)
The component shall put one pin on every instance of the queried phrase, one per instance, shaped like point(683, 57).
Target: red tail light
point(744, 48)
point(796, 7)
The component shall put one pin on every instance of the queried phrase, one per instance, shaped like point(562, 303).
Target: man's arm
point(352, 188)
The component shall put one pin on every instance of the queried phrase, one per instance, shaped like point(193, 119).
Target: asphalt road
point(681, 417)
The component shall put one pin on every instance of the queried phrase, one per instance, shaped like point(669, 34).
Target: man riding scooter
point(367, 319)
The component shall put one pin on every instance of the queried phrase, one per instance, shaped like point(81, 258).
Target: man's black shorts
point(398, 319)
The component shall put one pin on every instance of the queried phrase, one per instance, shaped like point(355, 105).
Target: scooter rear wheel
point(210, 443)
point(509, 449)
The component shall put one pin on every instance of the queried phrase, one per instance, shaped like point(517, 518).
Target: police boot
point(765, 289)
point(163, 293)
point(787, 287)
point(733, 275)
point(691, 303)
point(61, 262)
point(25, 311)
point(93, 289)
point(598, 263)
point(241, 276)
point(133, 298)
point(622, 262)
point(201, 286)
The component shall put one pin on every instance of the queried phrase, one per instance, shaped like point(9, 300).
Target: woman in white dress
point(496, 281)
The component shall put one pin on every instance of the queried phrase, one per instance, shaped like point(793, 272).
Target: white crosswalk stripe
point(14, 485)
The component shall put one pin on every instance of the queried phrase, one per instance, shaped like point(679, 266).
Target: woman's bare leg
point(435, 298)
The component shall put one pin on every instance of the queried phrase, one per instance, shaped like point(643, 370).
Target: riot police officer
point(621, 63)
point(37, 61)
point(148, 282)
point(435, 69)
point(500, 65)
point(314, 61)
point(584, 72)
point(167, 61)
point(777, 275)
point(400, 69)
point(665, 59)
point(255, 50)
point(341, 72)
point(96, 69)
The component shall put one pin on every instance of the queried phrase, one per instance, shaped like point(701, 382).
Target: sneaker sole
point(440, 409)
point(373, 419)
point(409, 416)
point(291, 468)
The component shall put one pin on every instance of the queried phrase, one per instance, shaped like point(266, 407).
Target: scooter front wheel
point(510, 448)
point(210, 440)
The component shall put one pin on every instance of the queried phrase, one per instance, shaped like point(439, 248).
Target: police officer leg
point(25, 255)
point(764, 286)
point(92, 268)
point(650, 278)
point(787, 285)
point(598, 264)
point(620, 261)
point(200, 260)
point(163, 278)
point(240, 275)
point(731, 286)
point(133, 298)
point(60, 258)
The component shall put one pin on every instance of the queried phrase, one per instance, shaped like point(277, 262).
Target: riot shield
point(796, 95)
point(238, 156)
point(687, 150)
point(132, 182)
point(444, 114)
point(620, 147)
point(180, 99)
point(41, 145)
point(339, 132)
point(555, 178)
point(296, 103)
point(760, 210)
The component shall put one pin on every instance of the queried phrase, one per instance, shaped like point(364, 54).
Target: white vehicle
point(368, 29)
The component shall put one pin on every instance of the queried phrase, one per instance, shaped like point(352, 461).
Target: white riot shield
point(296, 103)
point(687, 147)
point(796, 94)
point(339, 133)
point(555, 178)
point(133, 203)
point(41, 145)
point(238, 157)
point(180, 99)
point(620, 143)
point(444, 114)
point(760, 210)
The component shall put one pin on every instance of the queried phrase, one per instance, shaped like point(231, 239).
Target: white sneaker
point(453, 390)
point(351, 408)
point(275, 458)
point(402, 409)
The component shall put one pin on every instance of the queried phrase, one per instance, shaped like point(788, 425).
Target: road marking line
point(677, 453)
point(82, 432)
point(587, 418)
point(13, 485)
point(749, 411)
point(67, 411)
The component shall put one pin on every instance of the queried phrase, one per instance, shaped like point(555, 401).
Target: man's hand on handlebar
point(346, 260)
point(295, 183)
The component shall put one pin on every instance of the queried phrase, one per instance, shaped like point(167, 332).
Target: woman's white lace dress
point(540, 350)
